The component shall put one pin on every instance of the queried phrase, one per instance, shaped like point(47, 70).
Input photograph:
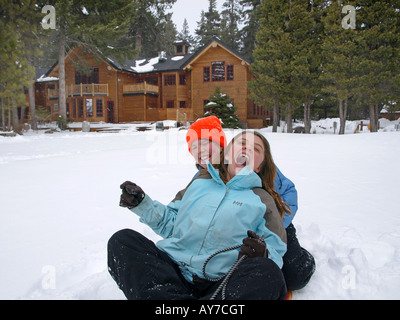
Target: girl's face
point(246, 150)
point(204, 150)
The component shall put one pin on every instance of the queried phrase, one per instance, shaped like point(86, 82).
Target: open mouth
point(242, 160)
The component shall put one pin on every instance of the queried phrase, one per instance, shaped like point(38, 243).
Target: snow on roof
point(177, 58)
point(149, 66)
point(44, 79)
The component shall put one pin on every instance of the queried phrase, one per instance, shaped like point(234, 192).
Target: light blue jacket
point(286, 189)
point(209, 216)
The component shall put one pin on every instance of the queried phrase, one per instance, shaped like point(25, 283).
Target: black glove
point(253, 246)
point(131, 195)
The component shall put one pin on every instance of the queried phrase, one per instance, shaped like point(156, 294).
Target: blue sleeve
point(159, 217)
point(288, 193)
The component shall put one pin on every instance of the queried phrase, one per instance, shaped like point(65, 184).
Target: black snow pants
point(143, 272)
point(298, 263)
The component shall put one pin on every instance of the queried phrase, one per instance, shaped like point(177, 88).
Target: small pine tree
point(221, 106)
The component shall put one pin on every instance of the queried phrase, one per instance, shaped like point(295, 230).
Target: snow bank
point(60, 195)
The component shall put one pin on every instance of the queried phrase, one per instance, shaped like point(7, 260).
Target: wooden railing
point(80, 90)
point(140, 87)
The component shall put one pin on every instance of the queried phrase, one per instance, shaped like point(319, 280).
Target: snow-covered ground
point(59, 196)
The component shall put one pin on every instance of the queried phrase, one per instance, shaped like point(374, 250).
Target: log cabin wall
point(204, 86)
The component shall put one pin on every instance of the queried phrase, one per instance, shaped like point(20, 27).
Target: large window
point(218, 71)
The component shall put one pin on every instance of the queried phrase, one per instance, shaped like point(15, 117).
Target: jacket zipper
point(212, 219)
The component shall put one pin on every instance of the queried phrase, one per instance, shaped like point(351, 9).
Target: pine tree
point(342, 60)
point(185, 35)
point(15, 71)
point(378, 23)
point(287, 57)
point(250, 18)
point(152, 28)
point(209, 25)
point(273, 79)
point(231, 17)
point(221, 106)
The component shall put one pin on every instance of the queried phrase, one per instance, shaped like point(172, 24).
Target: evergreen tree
point(15, 70)
point(209, 25)
point(378, 23)
point(152, 27)
point(185, 35)
point(341, 68)
point(273, 76)
point(221, 106)
point(231, 18)
point(250, 18)
point(287, 57)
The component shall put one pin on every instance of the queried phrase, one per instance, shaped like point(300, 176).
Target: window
point(84, 78)
point(182, 79)
point(80, 108)
point(170, 104)
point(229, 72)
point(218, 71)
point(152, 80)
point(74, 108)
point(179, 49)
point(182, 104)
point(55, 107)
point(99, 107)
point(89, 107)
point(169, 80)
point(206, 74)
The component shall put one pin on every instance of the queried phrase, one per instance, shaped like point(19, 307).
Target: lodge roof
point(163, 63)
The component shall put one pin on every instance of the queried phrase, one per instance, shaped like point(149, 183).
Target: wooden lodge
point(151, 89)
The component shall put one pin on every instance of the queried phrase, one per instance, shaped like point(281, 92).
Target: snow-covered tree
point(221, 106)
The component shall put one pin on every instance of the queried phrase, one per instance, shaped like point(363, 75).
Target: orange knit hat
point(206, 128)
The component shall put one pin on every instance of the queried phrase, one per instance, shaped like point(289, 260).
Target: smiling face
point(246, 150)
point(204, 150)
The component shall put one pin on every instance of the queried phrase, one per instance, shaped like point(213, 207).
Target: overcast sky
point(191, 10)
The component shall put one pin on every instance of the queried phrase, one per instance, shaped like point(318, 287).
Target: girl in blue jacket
point(229, 203)
point(205, 139)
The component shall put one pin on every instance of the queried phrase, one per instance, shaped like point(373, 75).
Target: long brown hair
point(267, 173)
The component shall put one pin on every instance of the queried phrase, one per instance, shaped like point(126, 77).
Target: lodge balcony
point(80, 90)
point(140, 88)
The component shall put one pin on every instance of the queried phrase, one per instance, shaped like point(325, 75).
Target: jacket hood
point(244, 179)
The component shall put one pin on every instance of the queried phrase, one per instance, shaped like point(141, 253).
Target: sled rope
point(224, 283)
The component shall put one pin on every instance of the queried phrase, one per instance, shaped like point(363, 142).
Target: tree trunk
point(289, 118)
point(15, 120)
point(61, 76)
point(373, 118)
point(342, 115)
point(3, 115)
point(32, 106)
point(275, 119)
point(307, 117)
